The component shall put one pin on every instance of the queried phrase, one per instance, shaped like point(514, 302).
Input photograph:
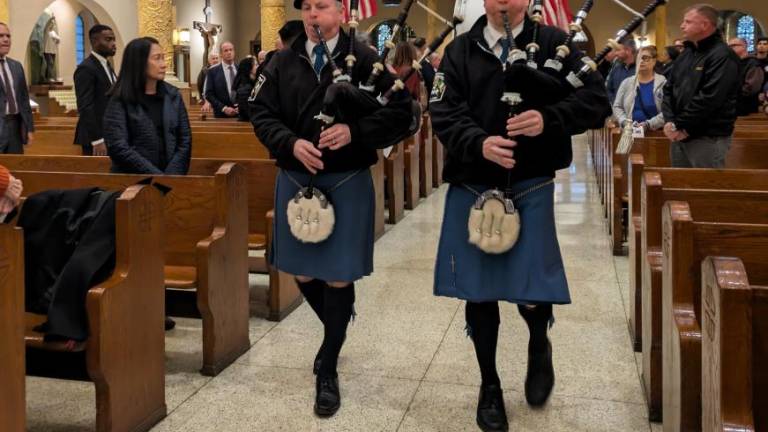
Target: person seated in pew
point(10, 192)
point(146, 127)
point(752, 78)
point(245, 80)
point(287, 97)
point(639, 100)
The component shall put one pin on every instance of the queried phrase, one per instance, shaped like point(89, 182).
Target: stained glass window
point(745, 29)
point(79, 39)
point(384, 33)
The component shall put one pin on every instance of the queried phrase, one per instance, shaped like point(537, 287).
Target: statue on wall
point(51, 50)
point(208, 31)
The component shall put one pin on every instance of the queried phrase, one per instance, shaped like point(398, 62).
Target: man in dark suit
point(16, 126)
point(93, 78)
point(218, 86)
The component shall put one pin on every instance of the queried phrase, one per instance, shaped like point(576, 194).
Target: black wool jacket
point(467, 108)
point(288, 95)
point(702, 89)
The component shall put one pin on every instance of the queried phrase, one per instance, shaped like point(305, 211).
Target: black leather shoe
point(169, 324)
point(327, 398)
point(540, 378)
point(491, 416)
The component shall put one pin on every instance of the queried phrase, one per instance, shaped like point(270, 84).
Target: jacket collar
point(300, 48)
point(476, 33)
point(706, 43)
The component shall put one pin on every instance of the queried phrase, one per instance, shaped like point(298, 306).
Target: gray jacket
point(625, 98)
point(22, 99)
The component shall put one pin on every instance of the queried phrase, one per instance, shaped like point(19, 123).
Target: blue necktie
point(319, 58)
point(504, 49)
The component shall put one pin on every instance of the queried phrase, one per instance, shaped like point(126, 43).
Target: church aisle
point(407, 364)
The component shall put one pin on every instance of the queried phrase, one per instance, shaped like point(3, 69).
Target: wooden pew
point(379, 188)
point(411, 156)
point(125, 352)
point(687, 242)
point(394, 166)
point(734, 377)
point(654, 152)
point(12, 397)
point(721, 205)
point(425, 156)
point(206, 227)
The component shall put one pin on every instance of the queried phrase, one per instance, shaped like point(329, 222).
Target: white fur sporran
point(494, 223)
point(310, 216)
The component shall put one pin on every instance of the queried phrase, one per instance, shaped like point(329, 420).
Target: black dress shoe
point(327, 398)
point(169, 324)
point(491, 416)
point(540, 378)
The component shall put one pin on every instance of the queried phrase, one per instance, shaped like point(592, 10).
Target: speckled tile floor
point(407, 365)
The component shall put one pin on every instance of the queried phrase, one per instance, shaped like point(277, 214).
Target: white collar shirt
point(10, 83)
point(493, 37)
point(310, 46)
point(229, 69)
point(105, 65)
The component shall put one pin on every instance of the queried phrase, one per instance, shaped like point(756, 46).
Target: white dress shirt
point(310, 46)
point(10, 78)
point(229, 79)
point(493, 37)
point(105, 65)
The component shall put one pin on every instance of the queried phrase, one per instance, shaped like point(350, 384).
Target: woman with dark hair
point(146, 128)
point(405, 55)
point(243, 85)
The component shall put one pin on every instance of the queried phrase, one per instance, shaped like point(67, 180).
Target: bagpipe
point(342, 96)
point(576, 79)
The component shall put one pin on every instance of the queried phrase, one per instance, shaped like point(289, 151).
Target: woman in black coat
point(245, 80)
point(146, 128)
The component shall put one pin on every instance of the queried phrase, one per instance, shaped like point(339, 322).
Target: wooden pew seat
point(687, 243)
point(734, 380)
point(206, 223)
point(12, 355)
point(130, 395)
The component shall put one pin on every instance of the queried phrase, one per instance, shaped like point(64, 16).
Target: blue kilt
point(345, 256)
point(531, 272)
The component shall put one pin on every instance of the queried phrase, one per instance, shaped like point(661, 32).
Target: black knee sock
point(483, 324)
point(337, 313)
point(314, 294)
point(538, 322)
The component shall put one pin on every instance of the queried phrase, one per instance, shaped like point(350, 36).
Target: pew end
point(124, 355)
point(12, 353)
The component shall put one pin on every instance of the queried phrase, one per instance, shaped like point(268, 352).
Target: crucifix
point(208, 31)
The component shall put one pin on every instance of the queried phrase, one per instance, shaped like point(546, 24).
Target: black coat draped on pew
point(69, 243)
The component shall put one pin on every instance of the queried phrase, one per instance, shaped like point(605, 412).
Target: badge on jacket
point(438, 88)
point(257, 88)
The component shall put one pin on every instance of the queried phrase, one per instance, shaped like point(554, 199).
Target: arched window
point(745, 29)
point(383, 31)
point(79, 39)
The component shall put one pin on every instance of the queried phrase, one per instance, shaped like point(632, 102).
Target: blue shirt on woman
point(645, 105)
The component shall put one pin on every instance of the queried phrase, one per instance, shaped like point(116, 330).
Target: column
point(157, 19)
point(432, 23)
point(4, 12)
point(272, 19)
point(661, 32)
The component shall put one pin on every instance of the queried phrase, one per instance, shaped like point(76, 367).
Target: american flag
point(366, 9)
point(557, 13)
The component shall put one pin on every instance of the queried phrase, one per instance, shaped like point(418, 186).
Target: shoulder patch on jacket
point(257, 88)
point(438, 88)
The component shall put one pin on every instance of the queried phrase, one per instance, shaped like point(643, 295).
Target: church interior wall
point(24, 14)
point(225, 12)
